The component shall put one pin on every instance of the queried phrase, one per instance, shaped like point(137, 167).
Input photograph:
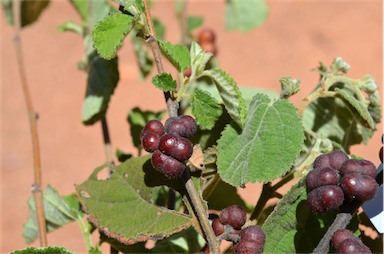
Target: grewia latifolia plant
point(180, 192)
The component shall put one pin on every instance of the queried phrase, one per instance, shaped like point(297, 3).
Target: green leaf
point(339, 65)
point(159, 29)
point(255, 153)
point(230, 94)
point(137, 119)
point(109, 34)
point(205, 108)
point(332, 118)
point(245, 15)
point(102, 80)
point(164, 81)
point(358, 108)
point(70, 26)
point(121, 206)
point(81, 6)
point(42, 250)
point(144, 61)
point(194, 22)
point(199, 59)
point(58, 212)
point(178, 55)
point(289, 87)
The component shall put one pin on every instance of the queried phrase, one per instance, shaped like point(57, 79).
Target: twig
point(36, 187)
point(172, 108)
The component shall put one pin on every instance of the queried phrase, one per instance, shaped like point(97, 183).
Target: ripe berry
point(184, 126)
point(234, 216)
point(175, 146)
point(247, 247)
point(217, 227)
point(206, 35)
point(253, 234)
point(361, 187)
point(167, 165)
point(153, 126)
point(187, 72)
point(209, 47)
point(358, 166)
point(352, 246)
point(322, 176)
point(325, 198)
point(333, 159)
point(340, 235)
point(150, 141)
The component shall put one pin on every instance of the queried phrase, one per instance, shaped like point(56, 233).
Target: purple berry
point(234, 216)
point(325, 198)
point(333, 159)
point(341, 235)
point(253, 234)
point(364, 167)
point(361, 187)
point(153, 126)
point(352, 246)
point(217, 227)
point(184, 126)
point(322, 176)
point(167, 165)
point(150, 141)
point(175, 146)
point(246, 247)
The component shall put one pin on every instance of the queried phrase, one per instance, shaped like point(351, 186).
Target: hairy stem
point(172, 107)
point(36, 187)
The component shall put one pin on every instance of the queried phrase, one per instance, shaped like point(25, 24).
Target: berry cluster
point(336, 179)
point(345, 241)
point(168, 144)
point(229, 225)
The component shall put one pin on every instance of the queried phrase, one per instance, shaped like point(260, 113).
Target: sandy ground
point(296, 36)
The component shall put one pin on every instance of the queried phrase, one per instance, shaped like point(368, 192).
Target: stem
point(36, 187)
point(84, 228)
point(266, 194)
point(172, 108)
point(201, 213)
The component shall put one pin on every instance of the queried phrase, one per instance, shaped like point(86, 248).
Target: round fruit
point(364, 167)
point(187, 72)
point(209, 47)
point(167, 165)
point(150, 141)
point(247, 247)
point(361, 187)
point(234, 216)
point(253, 234)
point(325, 198)
point(206, 35)
point(184, 126)
point(340, 235)
point(333, 159)
point(175, 146)
point(322, 176)
point(352, 246)
point(189, 124)
point(153, 126)
point(217, 227)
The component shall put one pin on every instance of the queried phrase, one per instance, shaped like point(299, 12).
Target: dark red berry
point(153, 126)
point(361, 187)
point(341, 235)
point(234, 216)
point(184, 126)
point(352, 246)
point(325, 198)
point(189, 125)
point(150, 141)
point(206, 35)
point(218, 227)
point(187, 72)
point(322, 176)
point(247, 247)
point(253, 234)
point(209, 47)
point(178, 147)
point(333, 159)
point(167, 165)
point(364, 167)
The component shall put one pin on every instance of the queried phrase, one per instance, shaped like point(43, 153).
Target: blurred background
point(295, 37)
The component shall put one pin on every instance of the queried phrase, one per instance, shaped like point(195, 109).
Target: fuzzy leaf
point(102, 80)
point(164, 81)
point(58, 212)
point(109, 34)
point(289, 87)
point(137, 120)
point(121, 206)
point(178, 55)
point(205, 108)
point(255, 153)
point(199, 58)
point(245, 15)
point(42, 250)
point(359, 110)
point(230, 93)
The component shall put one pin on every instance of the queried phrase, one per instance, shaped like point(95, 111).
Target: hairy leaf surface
point(164, 81)
point(109, 34)
point(178, 55)
point(265, 148)
point(205, 108)
point(121, 206)
point(43, 250)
